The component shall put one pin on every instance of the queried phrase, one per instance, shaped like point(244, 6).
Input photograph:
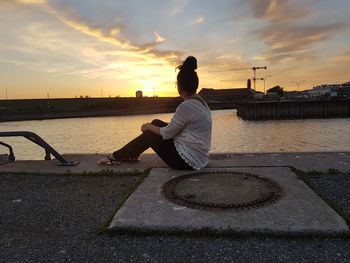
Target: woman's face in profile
point(178, 88)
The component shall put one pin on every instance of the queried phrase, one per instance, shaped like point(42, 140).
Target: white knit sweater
point(190, 128)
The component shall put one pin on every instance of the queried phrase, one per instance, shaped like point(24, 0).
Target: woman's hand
point(150, 127)
point(146, 127)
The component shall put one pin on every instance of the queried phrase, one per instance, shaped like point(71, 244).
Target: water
point(230, 134)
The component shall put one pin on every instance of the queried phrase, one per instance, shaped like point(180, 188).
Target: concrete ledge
point(88, 164)
point(4, 159)
point(306, 161)
point(300, 211)
point(319, 161)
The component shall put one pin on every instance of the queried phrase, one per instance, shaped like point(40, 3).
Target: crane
point(252, 68)
point(255, 69)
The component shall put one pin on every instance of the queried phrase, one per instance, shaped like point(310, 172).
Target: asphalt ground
point(334, 189)
point(61, 219)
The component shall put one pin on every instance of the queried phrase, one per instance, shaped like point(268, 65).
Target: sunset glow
point(71, 48)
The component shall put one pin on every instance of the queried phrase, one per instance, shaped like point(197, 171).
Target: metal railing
point(11, 155)
point(33, 137)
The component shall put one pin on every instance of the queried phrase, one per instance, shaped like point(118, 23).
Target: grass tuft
point(101, 173)
point(140, 177)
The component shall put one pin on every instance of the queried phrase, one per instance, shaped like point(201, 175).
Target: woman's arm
point(150, 127)
point(183, 114)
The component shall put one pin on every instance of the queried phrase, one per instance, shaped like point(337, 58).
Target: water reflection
point(230, 134)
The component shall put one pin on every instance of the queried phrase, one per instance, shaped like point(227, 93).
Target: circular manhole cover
point(221, 190)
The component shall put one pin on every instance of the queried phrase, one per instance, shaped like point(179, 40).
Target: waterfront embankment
point(299, 109)
point(41, 109)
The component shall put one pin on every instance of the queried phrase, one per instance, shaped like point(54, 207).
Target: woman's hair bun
point(190, 64)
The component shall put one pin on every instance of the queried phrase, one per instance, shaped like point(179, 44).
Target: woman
point(184, 143)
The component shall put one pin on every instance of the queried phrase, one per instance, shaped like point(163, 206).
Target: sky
point(68, 48)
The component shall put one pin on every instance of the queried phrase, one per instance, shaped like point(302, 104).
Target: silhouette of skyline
point(71, 48)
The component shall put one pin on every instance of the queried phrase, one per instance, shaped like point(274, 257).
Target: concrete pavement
point(299, 210)
point(59, 218)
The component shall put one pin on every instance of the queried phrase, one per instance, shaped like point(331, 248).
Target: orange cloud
point(31, 1)
point(112, 37)
point(343, 57)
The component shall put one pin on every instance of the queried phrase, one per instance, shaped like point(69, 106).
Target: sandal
point(108, 160)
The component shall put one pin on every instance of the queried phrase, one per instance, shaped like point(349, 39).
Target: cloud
point(110, 33)
point(292, 42)
point(159, 38)
point(64, 46)
point(287, 36)
point(31, 1)
point(277, 10)
point(197, 20)
point(113, 36)
point(108, 36)
point(43, 50)
point(343, 56)
point(176, 7)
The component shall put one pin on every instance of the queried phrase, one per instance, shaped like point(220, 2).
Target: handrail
point(39, 141)
point(11, 155)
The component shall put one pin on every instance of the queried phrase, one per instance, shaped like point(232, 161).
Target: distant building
point(259, 95)
point(343, 90)
point(273, 95)
point(320, 91)
point(249, 84)
point(139, 94)
point(295, 95)
point(226, 94)
point(330, 91)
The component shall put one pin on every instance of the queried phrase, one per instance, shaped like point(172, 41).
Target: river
point(230, 134)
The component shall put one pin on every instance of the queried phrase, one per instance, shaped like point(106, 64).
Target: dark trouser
point(165, 149)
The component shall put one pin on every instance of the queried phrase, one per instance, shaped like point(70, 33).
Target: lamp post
point(298, 83)
point(268, 76)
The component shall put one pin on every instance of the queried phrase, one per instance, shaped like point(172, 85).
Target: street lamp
point(298, 83)
point(268, 76)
